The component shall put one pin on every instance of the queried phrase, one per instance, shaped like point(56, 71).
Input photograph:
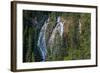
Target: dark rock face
point(33, 23)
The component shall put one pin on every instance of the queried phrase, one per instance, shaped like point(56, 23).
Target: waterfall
point(80, 26)
point(60, 24)
point(42, 37)
point(41, 40)
point(59, 27)
point(54, 51)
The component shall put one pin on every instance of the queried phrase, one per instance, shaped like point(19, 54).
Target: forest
point(56, 36)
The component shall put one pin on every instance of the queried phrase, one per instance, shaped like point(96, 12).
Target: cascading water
point(41, 40)
point(54, 40)
point(80, 26)
point(60, 24)
point(59, 27)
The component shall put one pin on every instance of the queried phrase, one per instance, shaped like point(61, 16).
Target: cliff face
point(55, 36)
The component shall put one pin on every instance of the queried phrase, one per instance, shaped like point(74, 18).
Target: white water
point(41, 40)
point(80, 26)
point(59, 27)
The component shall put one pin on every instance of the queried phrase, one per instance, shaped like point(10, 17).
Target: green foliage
point(79, 43)
point(73, 46)
point(85, 36)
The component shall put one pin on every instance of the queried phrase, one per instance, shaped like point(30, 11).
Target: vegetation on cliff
point(74, 44)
